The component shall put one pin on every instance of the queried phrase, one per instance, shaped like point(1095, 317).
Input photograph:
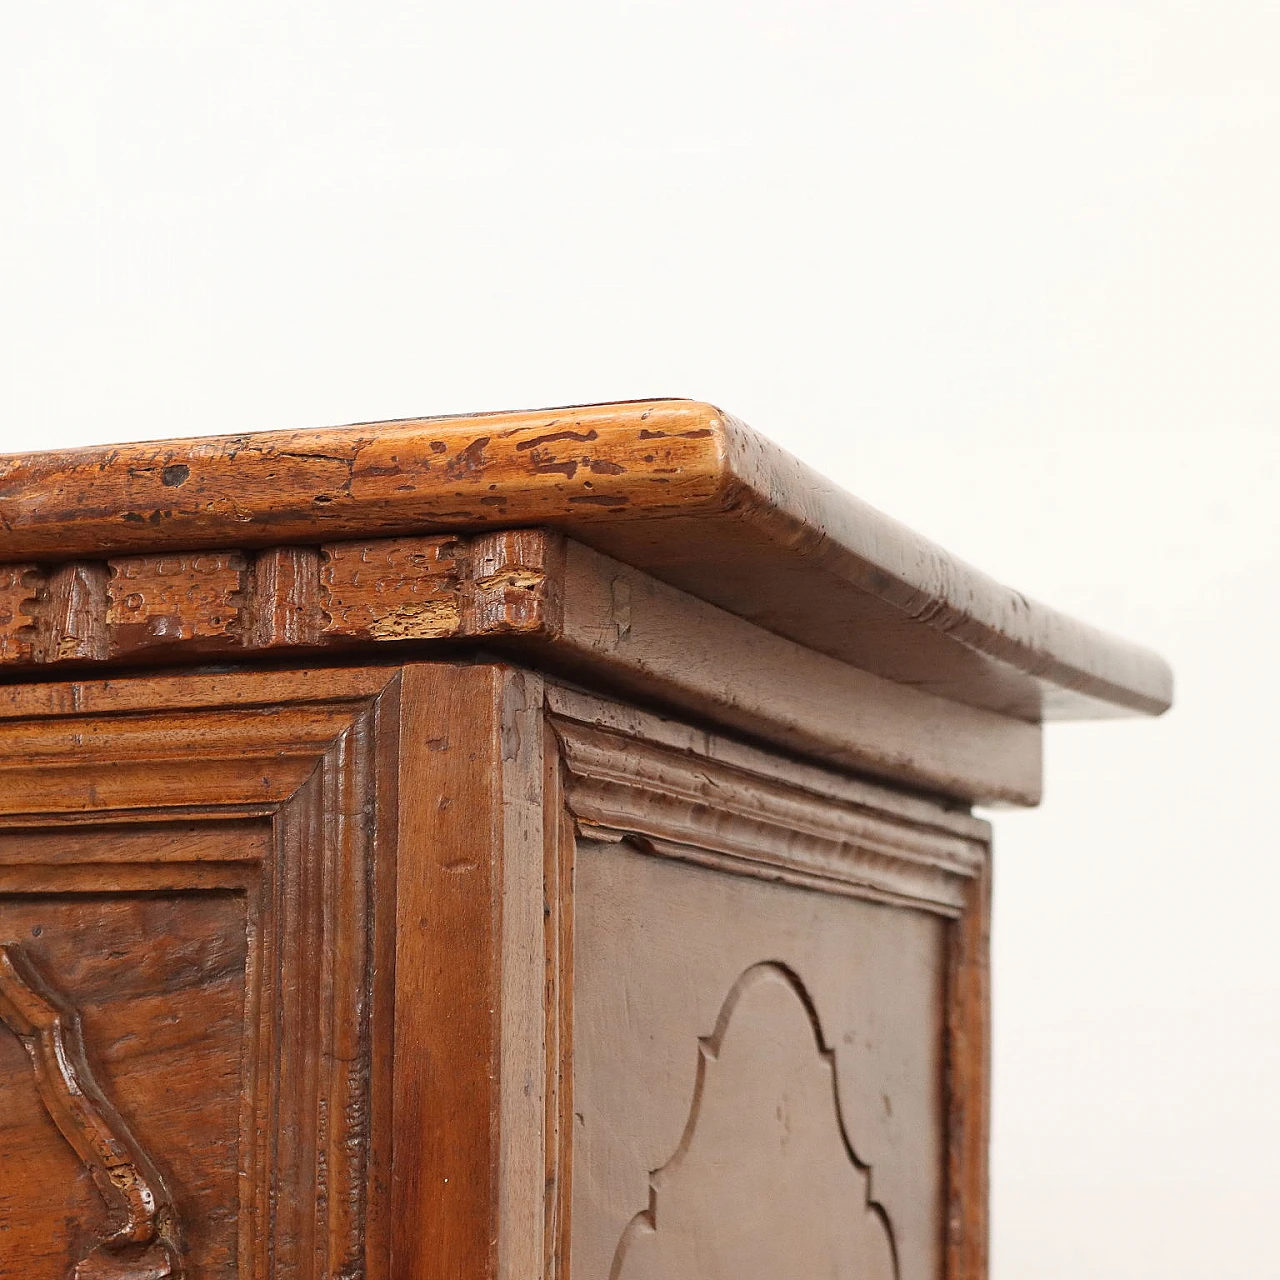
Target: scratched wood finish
point(676, 488)
point(540, 598)
point(548, 857)
point(188, 606)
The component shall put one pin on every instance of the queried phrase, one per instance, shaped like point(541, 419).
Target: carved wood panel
point(745, 928)
point(765, 1181)
point(658, 946)
point(195, 941)
point(146, 1020)
point(185, 605)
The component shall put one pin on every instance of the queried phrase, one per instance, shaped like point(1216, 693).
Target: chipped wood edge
point(640, 480)
point(533, 595)
point(187, 606)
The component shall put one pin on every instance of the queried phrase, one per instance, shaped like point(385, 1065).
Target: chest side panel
point(766, 1013)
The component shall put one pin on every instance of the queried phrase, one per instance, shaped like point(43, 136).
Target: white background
point(1008, 271)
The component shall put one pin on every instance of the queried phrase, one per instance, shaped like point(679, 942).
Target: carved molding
point(143, 1242)
point(765, 1162)
point(674, 802)
point(186, 605)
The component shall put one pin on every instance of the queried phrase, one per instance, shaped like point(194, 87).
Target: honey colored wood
point(470, 1188)
point(554, 602)
point(231, 981)
point(522, 847)
point(188, 607)
point(676, 488)
point(490, 929)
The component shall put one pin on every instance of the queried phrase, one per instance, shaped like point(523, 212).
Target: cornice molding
point(750, 819)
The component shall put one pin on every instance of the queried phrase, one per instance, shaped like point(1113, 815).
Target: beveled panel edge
point(323, 960)
point(143, 1235)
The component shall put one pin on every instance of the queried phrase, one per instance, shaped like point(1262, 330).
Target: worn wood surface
point(156, 1006)
point(188, 607)
point(625, 630)
point(457, 969)
point(664, 948)
point(449, 970)
point(677, 488)
point(469, 1193)
point(765, 1176)
point(539, 596)
point(698, 862)
point(205, 894)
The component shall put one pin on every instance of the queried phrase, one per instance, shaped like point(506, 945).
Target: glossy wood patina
point(530, 844)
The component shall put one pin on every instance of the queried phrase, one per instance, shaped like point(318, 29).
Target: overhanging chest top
point(676, 488)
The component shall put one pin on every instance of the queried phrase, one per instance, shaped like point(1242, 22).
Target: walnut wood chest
point(515, 846)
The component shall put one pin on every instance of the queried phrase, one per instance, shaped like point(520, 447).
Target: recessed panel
point(758, 1078)
point(122, 1050)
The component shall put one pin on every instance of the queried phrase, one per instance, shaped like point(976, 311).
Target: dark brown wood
point(625, 630)
point(969, 1082)
point(554, 602)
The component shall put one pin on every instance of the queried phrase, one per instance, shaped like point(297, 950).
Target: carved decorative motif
point(143, 1241)
point(392, 589)
point(765, 1148)
point(189, 604)
point(166, 599)
point(17, 597)
point(312, 779)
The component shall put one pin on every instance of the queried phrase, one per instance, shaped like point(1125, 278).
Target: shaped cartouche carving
point(764, 1184)
point(142, 1241)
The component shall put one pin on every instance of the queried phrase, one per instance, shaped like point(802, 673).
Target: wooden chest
point(528, 845)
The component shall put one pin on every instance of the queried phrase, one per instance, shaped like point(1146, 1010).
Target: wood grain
point(444, 1189)
point(969, 1084)
point(187, 606)
point(677, 488)
point(697, 857)
point(144, 1240)
point(469, 1190)
point(752, 822)
point(18, 586)
point(626, 630)
point(160, 995)
point(270, 801)
point(660, 946)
